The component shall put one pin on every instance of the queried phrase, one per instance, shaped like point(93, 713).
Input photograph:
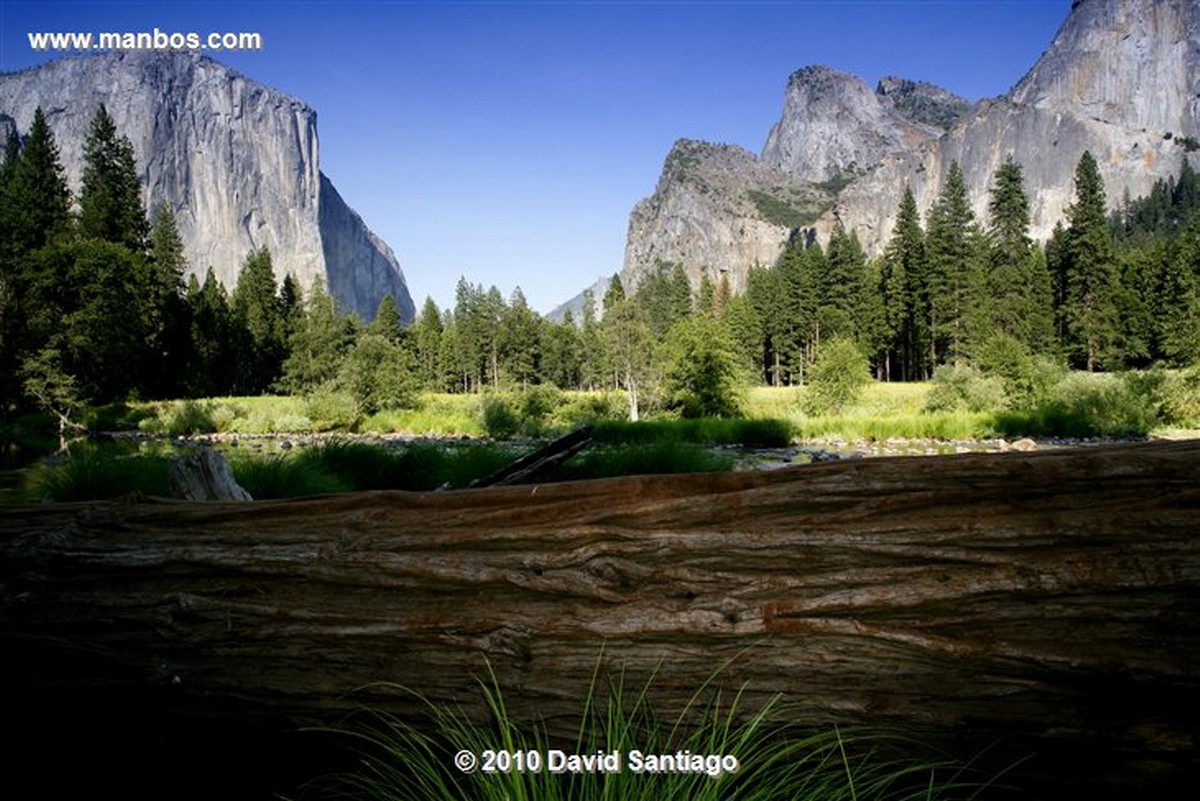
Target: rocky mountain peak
point(236, 161)
point(833, 123)
point(921, 102)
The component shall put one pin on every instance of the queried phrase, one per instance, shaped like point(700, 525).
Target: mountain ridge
point(236, 161)
point(1118, 78)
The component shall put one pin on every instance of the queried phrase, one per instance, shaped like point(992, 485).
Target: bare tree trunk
point(1044, 603)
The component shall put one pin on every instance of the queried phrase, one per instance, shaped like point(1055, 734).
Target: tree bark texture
point(1045, 604)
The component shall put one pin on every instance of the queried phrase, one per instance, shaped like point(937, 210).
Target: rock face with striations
point(719, 210)
point(236, 161)
point(1121, 79)
point(715, 205)
point(833, 124)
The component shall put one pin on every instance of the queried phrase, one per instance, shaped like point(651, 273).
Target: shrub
point(191, 417)
point(961, 388)
point(588, 408)
point(1181, 398)
point(499, 419)
point(1087, 405)
point(535, 408)
point(1025, 380)
point(330, 409)
point(837, 378)
point(702, 375)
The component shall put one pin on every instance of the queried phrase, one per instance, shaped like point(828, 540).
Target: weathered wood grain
point(1049, 601)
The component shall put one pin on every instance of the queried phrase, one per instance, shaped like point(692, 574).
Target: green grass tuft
point(92, 474)
point(399, 760)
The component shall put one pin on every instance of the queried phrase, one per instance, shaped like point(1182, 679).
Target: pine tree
point(34, 211)
point(746, 331)
point(520, 341)
point(387, 320)
point(318, 343)
point(210, 366)
point(88, 302)
point(110, 201)
point(427, 336)
point(1178, 297)
point(902, 281)
point(1018, 286)
point(34, 199)
point(562, 363)
point(255, 306)
point(595, 370)
point(952, 242)
point(1091, 277)
point(842, 290)
point(171, 342)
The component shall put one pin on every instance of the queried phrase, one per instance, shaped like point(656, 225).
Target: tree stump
point(204, 476)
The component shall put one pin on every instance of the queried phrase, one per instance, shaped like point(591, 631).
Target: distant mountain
point(1120, 79)
point(577, 304)
point(236, 161)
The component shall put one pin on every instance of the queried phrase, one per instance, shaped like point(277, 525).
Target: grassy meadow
point(448, 441)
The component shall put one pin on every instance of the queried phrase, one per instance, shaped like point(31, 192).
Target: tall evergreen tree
point(954, 277)
point(256, 309)
point(1179, 298)
point(520, 342)
point(902, 287)
point(563, 358)
point(1018, 285)
point(88, 303)
point(427, 336)
point(212, 361)
point(843, 288)
point(318, 343)
point(34, 211)
point(110, 201)
point(1091, 277)
point(387, 322)
point(171, 343)
point(35, 202)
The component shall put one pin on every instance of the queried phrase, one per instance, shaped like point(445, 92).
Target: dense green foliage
point(100, 306)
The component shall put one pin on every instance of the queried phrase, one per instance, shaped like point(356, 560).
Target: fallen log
point(1045, 604)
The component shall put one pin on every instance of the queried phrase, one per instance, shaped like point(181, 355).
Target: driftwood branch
point(1044, 603)
point(541, 461)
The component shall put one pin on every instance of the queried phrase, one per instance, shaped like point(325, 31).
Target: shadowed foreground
point(1039, 604)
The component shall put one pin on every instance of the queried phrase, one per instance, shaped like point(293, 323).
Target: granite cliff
point(236, 161)
point(719, 209)
point(1121, 79)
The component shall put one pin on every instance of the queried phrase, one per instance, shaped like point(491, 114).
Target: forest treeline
point(98, 304)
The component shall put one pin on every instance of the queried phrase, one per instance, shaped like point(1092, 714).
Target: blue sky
point(508, 141)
